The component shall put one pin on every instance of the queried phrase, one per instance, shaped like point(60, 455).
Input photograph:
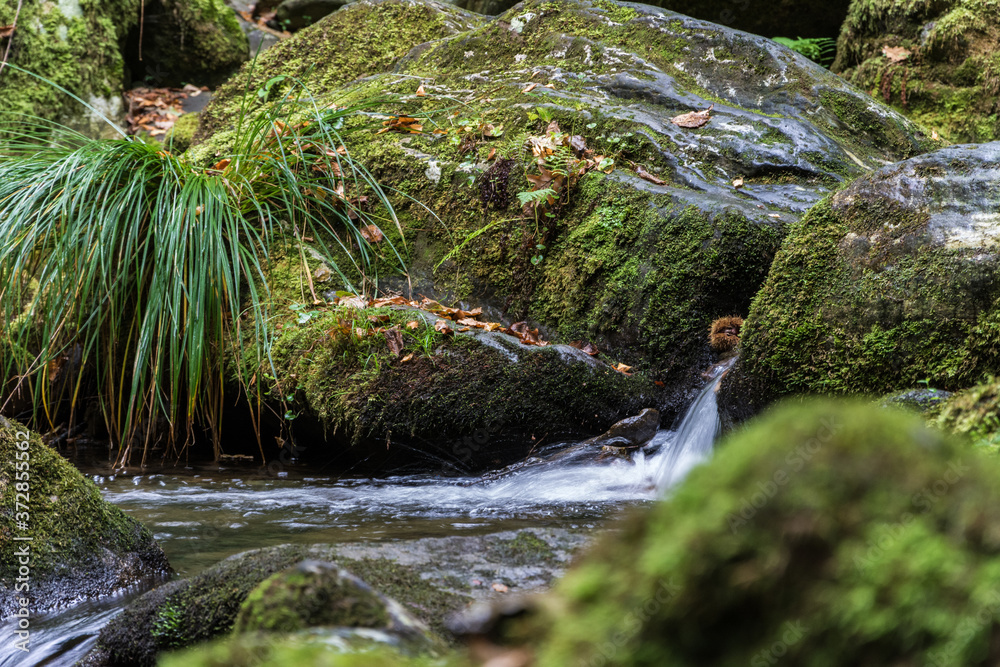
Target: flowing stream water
point(200, 516)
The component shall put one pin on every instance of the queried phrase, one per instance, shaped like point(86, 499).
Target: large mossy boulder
point(938, 61)
point(975, 414)
point(889, 282)
point(189, 41)
point(75, 44)
point(639, 265)
point(825, 534)
point(80, 546)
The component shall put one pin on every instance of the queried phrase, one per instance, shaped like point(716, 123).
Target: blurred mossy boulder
point(826, 533)
point(936, 60)
point(178, 138)
point(80, 545)
point(315, 650)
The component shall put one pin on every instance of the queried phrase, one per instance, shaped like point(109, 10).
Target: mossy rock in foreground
point(887, 284)
point(81, 546)
point(949, 73)
point(825, 534)
point(975, 413)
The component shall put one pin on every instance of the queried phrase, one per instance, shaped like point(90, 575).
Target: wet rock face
point(403, 591)
point(889, 282)
point(81, 546)
point(630, 432)
point(638, 265)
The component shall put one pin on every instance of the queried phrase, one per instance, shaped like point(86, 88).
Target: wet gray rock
point(924, 401)
point(631, 432)
point(889, 283)
point(431, 578)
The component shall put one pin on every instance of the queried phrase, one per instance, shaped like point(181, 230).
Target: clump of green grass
point(126, 264)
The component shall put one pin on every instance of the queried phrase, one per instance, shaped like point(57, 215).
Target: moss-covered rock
point(76, 44)
point(79, 545)
point(178, 138)
point(638, 265)
point(318, 594)
point(188, 611)
point(974, 413)
point(190, 41)
point(825, 534)
point(927, 402)
point(467, 401)
point(944, 69)
point(888, 283)
point(313, 650)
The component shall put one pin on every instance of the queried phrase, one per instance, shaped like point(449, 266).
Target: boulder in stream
point(637, 258)
point(888, 283)
point(80, 546)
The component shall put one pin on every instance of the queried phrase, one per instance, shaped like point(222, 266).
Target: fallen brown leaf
point(530, 87)
point(622, 368)
point(394, 337)
point(500, 588)
point(643, 174)
point(738, 182)
point(420, 91)
point(372, 234)
point(442, 327)
point(692, 119)
point(408, 357)
point(6, 31)
point(413, 325)
point(896, 54)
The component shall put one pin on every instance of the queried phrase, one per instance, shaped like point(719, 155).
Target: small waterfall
point(692, 443)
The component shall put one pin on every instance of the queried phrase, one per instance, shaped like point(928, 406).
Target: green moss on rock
point(950, 79)
point(881, 287)
point(975, 413)
point(824, 534)
point(178, 138)
point(80, 545)
point(301, 651)
point(76, 45)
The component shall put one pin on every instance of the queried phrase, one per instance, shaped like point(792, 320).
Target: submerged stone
point(78, 545)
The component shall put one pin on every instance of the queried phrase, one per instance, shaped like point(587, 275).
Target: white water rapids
point(201, 517)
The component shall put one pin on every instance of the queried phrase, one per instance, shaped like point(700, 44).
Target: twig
point(10, 40)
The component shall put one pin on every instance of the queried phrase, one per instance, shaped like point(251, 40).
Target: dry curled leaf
point(622, 368)
point(420, 91)
point(499, 588)
point(442, 327)
point(394, 337)
point(692, 119)
point(408, 357)
point(530, 87)
point(645, 175)
point(738, 183)
point(352, 302)
point(896, 54)
point(6, 31)
point(372, 234)
point(413, 325)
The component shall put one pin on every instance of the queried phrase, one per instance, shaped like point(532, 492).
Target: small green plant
point(821, 50)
